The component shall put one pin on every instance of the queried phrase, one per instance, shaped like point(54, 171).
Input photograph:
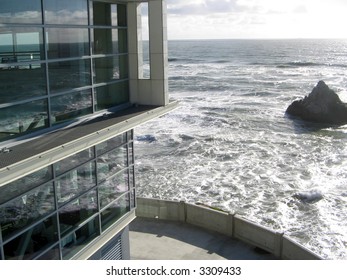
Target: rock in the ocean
point(322, 105)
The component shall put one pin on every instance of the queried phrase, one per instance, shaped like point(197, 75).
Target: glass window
point(111, 214)
point(25, 184)
point(111, 189)
point(32, 242)
point(66, 12)
point(67, 42)
point(19, 11)
point(105, 41)
point(111, 144)
point(68, 75)
point(75, 241)
point(75, 182)
point(112, 162)
point(26, 209)
point(20, 119)
point(70, 106)
point(104, 14)
point(77, 212)
point(51, 254)
point(67, 164)
point(106, 69)
point(111, 95)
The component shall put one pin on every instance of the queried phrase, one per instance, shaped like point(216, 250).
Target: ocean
point(230, 144)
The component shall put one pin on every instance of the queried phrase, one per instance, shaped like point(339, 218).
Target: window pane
point(74, 242)
point(77, 211)
point(105, 41)
point(106, 69)
point(111, 144)
point(111, 189)
point(104, 14)
point(66, 12)
point(25, 184)
point(67, 42)
point(73, 161)
point(111, 163)
point(19, 11)
point(75, 182)
point(24, 118)
point(67, 75)
point(21, 212)
point(112, 95)
point(34, 241)
point(110, 215)
point(70, 106)
point(51, 254)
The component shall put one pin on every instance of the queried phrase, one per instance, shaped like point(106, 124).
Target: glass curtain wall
point(54, 212)
point(60, 60)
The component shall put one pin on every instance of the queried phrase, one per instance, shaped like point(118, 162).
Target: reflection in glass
point(77, 211)
point(73, 161)
point(111, 144)
point(25, 184)
point(74, 242)
point(20, 119)
point(66, 12)
point(26, 209)
point(51, 254)
point(113, 188)
point(32, 242)
point(22, 82)
point(105, 41)
point(75, 182)
point(111, 95)
point(71, 106)
point(19, 11)
point(106, 69)
point(116, 210)
point(112, 162)
point(104, 14)
point(68, 75)
point(67, 42)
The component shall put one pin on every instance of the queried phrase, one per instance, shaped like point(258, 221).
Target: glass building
point(72, 89)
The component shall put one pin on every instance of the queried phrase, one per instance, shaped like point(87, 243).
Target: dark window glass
point(76, 212)
point(111, 189)
point(66, 12)
point(22, 82)
point(19, 11)
point(75, 241)
point(32, 242)
point(70, 106)
point(75, 182)
point(67, 42)
point(131, 154)
point(132, 199)
point(104, 14)
point(25, 184)
point(115, 211)
point(106, 41)
point(67, 75)
point(20, 119)
point(111, 95)
point(106, 69)
point(112, 162)
point(51, 254)
point(131, 177)
point(26, 209)
point(111, 144)
point(67, 164)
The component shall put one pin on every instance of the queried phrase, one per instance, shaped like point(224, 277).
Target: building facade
point(72, 90)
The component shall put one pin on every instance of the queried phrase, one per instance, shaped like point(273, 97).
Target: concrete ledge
point(291, 250)
point(209, 218)
point(226, 223)
point(257, 235)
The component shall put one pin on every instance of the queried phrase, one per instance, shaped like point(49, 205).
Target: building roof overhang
point(32, 155)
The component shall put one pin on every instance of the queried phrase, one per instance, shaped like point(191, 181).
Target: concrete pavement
point(154, 239)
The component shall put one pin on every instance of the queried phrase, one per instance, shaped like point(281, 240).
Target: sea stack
point(322, 105)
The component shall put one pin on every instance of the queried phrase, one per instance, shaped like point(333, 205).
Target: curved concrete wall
point(229, 224)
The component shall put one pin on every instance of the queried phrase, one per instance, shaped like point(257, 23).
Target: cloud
point(201, 7)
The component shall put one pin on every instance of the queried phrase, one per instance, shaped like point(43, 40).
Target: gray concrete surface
point(154, 239)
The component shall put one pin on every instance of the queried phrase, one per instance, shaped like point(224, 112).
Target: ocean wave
point(310, 196)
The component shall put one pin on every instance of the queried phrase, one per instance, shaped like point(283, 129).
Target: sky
point(226, 19)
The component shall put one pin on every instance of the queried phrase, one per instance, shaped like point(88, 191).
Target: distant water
point(230, 144)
